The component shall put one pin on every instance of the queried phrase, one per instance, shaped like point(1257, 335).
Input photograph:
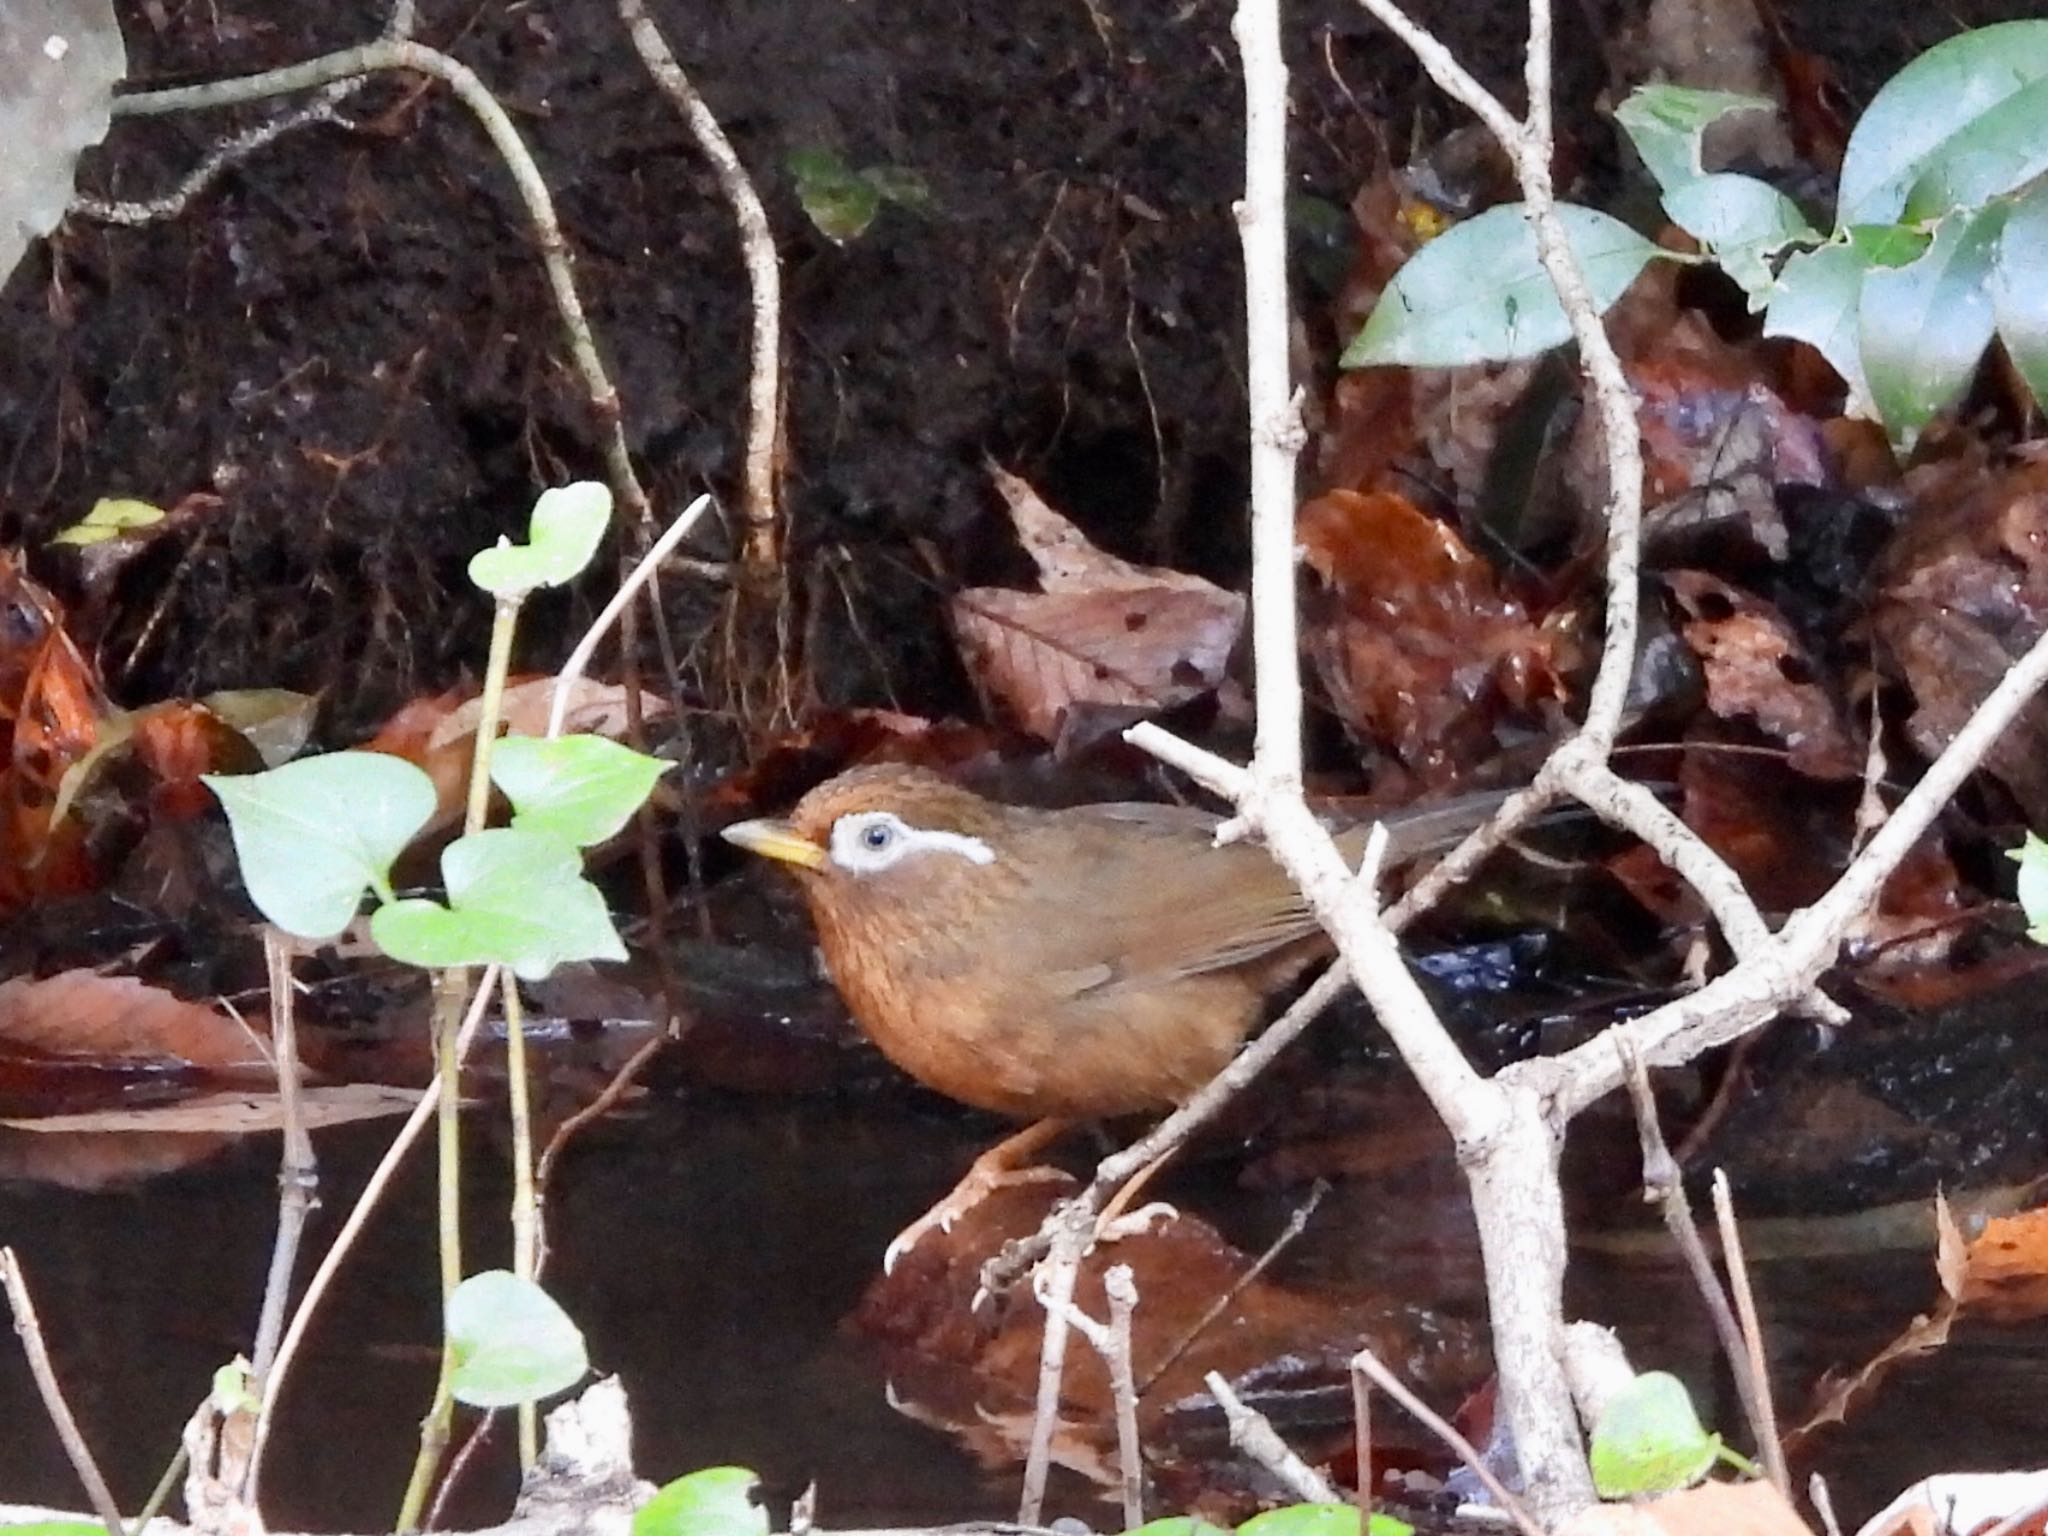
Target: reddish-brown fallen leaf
point(1102, 631)
point(121, 1023)
point(1425, 654)
point(1758, 669)
point(1711, 1509)
point(1962, 593)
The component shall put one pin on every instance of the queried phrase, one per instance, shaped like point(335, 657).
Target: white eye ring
point(868, 842)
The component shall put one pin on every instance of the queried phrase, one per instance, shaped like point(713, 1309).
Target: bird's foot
point(991, 1171)
point(1115, 1227)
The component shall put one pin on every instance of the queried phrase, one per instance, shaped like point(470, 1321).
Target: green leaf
point(56, 1528)
point(1649, 1440)
point(1817, 295)
point(1179, 1525)
point(717, 1501)
point(898, 184)
point(1667, 123)
point(1742, 221)
point(1921, 328)
point(2005, 148)
point(512, 1343)
point(311, 835)
point(567, 524)
point(110, 517)
point(2019, 291)
point(1935, 99)
point(579, 788)
point(515, 897)
point(835, 198)
point(1477, 293)
point(1320, 1520)
point(2032, 858)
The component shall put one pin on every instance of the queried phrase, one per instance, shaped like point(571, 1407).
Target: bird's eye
point(876, 836)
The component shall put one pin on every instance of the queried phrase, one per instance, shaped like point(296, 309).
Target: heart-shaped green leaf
point(717, 1501)
point(1649, 1440)
point(579, 788)
point(311, 835)
point(515, 898)
point(512, 1343)
point(1477, 293)
point(567, 524)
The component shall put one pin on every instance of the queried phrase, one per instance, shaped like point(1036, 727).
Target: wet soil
point(348, 342)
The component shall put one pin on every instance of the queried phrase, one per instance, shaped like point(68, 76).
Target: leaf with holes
point(1668, 123)
point(1921, 328)
point(1918, 139)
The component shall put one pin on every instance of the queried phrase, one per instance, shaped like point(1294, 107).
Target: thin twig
point(1361, 1443)
point(1664, 1187)
point(1768, 1444)
point(1122, 1292)
point(1253, 1433)
point(1112, 1342)
point(1365, 1360)
point(1061, 1267)
point(298, 1172)
point(758, 503)
point(344, 1240)
point(30, 1331)
point(1296, 1224)
point(642, 572)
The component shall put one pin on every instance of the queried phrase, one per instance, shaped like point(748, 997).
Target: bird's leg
point(993, 1170)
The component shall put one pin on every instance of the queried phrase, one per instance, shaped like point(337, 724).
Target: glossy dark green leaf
point(2019, 290)
point(1667, 123)
point(1742, 222)
point(1933, 100)
point(1478, 294)
point(1922, 328)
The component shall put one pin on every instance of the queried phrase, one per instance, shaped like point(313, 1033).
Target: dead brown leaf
point(1100, 630)
point(1758, 669)
point(122, 1023)
point(1425, 654)
point(1711, 1509)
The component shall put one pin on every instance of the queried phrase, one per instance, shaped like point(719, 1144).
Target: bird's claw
point(1135, 1223)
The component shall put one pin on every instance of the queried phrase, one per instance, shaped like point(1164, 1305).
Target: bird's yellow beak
point(775, 840)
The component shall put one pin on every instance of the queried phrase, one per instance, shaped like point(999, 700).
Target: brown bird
point(1050, 966)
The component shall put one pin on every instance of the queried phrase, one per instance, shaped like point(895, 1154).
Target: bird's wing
point(1161, 901)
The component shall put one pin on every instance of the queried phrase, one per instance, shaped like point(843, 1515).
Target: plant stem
point(525, 1225)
